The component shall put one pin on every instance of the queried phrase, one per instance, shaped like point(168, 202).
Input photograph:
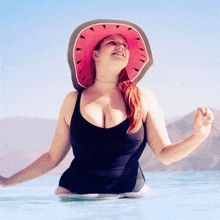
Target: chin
point(120, 64)
point(117, 69)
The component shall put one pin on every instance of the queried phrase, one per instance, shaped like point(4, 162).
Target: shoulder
point(70, 100)
point(68, 105)
point(147, 97)
point(70, 97)
point(146, 93)
point(148, 100)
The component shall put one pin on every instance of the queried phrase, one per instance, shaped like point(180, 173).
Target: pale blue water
point(173, 195)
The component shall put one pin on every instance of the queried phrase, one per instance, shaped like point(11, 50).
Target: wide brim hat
point(86, 36)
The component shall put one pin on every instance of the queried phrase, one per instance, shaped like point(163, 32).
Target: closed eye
point(115, 43)
point(112, 42)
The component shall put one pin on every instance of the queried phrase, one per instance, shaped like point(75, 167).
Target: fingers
point(205, 112)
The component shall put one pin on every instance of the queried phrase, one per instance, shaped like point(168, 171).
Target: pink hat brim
point(86, 37)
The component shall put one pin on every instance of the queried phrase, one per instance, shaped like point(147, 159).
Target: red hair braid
point(132, 100)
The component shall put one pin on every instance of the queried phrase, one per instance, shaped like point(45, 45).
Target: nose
point(120, 46)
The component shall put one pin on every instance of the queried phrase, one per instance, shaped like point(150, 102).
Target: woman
point(109, 120)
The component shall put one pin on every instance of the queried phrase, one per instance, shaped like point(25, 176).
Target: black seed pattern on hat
point(143, 58)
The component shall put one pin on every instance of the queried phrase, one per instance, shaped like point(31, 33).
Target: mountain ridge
point(23, 140)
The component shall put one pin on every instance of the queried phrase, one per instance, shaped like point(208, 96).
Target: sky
point(184, 37)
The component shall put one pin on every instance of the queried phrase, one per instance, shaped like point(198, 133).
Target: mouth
point(119, 54)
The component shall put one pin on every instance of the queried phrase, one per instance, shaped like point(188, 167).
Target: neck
point(105, 86)
point(106, 78)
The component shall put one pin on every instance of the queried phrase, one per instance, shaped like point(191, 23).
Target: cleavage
point(103, 112)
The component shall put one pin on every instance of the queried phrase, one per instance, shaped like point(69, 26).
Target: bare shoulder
point(69, 105)
point(71, 97)
point(146, 94)
point(148, 101)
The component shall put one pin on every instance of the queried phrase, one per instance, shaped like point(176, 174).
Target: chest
point(105, 111)
point(87, 138)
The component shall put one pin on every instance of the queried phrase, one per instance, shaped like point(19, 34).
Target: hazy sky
point(184, 38)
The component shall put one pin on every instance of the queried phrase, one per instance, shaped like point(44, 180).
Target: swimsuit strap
point(77, 106)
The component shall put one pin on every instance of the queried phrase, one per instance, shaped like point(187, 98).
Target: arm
point(158, 138)
point(58, 150)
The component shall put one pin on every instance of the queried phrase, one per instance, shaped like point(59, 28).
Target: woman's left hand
point(202, 122)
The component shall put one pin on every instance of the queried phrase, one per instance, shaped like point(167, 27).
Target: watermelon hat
point(86, 36)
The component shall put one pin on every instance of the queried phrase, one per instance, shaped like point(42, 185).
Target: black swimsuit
point(106, 159)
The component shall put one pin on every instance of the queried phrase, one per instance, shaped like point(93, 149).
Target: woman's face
point(113, 50)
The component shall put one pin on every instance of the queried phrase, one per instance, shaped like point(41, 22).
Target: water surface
point(173, 195)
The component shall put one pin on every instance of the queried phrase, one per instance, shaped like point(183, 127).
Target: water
point(173, 195)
